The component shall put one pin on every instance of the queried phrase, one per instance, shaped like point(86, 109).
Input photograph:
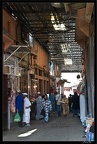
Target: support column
point(29, 84)
point(88, 79)
point(92, 72)
point(18, 82)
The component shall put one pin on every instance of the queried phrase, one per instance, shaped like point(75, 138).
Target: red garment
point(92, 123)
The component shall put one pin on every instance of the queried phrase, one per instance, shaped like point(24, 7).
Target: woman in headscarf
point(75, 101)
point(38, 107)
point(46, 105)
point(65, 105)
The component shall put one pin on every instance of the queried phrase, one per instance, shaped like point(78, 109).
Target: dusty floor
point(63, 128)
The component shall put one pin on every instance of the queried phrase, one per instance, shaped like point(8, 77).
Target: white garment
point(26, 114)
point(82, 108)
point(87, 128)
point(58, 99)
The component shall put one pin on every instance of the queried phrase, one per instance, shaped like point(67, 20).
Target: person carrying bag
point(17, 117)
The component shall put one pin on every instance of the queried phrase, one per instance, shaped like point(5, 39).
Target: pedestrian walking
point(58, 104)
point(65, 105)
point(38, 106)
point(51, 97)
point(27, 110)
point(70, 103)
point(46, 105)
point(75, 101)
point(20, 107)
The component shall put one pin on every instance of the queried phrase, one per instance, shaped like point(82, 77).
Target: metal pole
point(21, 59)
point(12, 54)
point(8, 114)
point(18, 83)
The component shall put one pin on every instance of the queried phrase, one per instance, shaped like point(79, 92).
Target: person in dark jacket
point(70, 103)
point(75, 101)
point(20, 107)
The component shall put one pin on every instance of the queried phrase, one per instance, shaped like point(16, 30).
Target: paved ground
point(62, 128)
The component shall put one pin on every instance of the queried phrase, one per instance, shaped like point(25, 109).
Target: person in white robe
point(82, 108)
point(81, 88)
point(26, 114)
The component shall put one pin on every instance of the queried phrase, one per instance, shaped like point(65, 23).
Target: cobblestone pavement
point(63, 128)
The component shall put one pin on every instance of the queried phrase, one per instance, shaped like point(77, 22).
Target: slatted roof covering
point(37, 18)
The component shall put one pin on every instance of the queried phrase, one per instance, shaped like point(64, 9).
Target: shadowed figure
point(75, 101)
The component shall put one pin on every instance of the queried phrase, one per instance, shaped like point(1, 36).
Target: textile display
point(13, 93)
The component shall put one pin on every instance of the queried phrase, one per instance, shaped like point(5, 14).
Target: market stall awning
point(61, 82)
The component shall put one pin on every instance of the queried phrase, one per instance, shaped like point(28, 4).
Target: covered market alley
point(41, 41)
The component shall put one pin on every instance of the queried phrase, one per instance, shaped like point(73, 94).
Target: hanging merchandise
point(13, 93)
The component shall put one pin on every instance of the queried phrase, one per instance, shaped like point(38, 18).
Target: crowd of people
point(58, 103)
point(46, 105)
